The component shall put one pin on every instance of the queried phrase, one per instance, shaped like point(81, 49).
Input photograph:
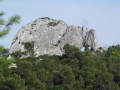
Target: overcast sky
point(101, 15)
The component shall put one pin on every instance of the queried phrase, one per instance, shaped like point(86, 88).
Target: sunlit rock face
point(50, 36)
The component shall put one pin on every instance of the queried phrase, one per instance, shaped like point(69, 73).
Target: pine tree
point(6, 25)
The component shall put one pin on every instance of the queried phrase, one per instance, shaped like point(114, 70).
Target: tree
point(29, 46)
point(14, 82)
point(113, 62)
point(7, 24)
point(5, 27)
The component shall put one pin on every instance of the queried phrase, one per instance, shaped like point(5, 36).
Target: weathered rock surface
point(50, 35)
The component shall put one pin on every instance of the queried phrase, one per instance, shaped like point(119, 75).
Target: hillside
point(74, 70)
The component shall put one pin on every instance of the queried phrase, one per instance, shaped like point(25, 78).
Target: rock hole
point(83, 49)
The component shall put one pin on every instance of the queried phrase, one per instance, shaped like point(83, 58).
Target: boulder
point(50, 36)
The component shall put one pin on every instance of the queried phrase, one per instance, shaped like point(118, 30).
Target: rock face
point(50, 36)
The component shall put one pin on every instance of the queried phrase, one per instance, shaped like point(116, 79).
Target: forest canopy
point(74, 70)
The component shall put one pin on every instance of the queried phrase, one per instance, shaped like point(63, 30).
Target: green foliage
point(5, 71)
point(113, 61)
point(4, 32)
point(1, 49)
point(4, 52)
point(6, 25)
point(13, 20)
point(8, 80)
point(17, 54)
point(14, 82)
point(29, 46)
point(74, 70)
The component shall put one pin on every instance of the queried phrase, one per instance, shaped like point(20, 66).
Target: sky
point(100, 15)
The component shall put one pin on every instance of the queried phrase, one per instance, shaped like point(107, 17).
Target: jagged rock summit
point(50, 36)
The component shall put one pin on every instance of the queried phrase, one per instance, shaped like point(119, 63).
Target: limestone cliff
point(50, 35)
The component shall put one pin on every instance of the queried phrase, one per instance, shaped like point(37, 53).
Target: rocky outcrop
point(50, 36)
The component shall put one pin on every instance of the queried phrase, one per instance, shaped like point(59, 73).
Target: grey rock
point(50, 36)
